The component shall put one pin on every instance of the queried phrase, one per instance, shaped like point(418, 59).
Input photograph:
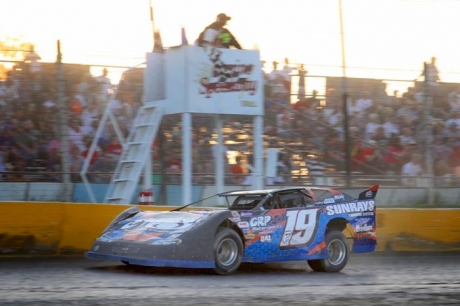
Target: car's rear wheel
point(228, 251)
point(339, 252)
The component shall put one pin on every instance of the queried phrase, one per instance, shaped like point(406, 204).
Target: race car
point(257, 226)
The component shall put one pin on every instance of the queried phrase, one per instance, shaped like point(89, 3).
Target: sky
point(387, 39)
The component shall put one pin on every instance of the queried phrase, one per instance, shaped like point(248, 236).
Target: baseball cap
point(222, 16)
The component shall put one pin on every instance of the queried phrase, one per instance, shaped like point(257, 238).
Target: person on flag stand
point(217, 35)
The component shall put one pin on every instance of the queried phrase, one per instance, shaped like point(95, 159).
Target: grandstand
point(30, 141)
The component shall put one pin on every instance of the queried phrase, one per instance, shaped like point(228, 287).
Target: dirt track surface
point(371, 279)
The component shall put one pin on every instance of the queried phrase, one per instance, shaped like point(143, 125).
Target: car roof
point(257, 192)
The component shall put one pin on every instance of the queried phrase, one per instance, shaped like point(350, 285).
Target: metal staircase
point(136, 150)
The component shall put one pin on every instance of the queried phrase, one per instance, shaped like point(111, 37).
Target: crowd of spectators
point(387, 133)
point(30, 136)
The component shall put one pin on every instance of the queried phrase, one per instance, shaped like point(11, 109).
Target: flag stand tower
point(187, 80)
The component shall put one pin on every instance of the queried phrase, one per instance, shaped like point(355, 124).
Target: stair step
point(113, 199)
point(132, 161)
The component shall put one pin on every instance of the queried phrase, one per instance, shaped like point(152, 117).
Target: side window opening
point(246, 202)
point(273, 203)
point(295, 199)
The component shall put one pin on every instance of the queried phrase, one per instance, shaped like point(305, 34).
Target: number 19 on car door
point(300, 230)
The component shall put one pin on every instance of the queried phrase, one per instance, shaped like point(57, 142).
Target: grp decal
point(261, 221)
point(300, 228)
point(360, 206)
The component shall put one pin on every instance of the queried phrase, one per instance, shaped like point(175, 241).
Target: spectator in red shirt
point(359, 153)
point(114, 148)
point(87, 139)
point(237, 172)
point(174, 168)
point(393, 154)
point(301, 104)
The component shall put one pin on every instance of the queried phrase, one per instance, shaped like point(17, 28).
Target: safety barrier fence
point(387, 197)
point(44, 228)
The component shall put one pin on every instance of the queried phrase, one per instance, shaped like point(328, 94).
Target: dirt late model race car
point(258, 226)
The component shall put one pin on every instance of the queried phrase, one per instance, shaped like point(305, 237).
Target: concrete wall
point(70, 228)
point(418, 229)
point(54, 228)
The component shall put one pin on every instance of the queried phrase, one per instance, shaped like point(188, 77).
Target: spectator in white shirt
point(411, 170)
point(105, 87)
point(372, 126)
point(454, 100)
point(391, 126)
point(364, 101)
point(353, 107)
point(454, 120)
point(91, 112)
point(407, 136)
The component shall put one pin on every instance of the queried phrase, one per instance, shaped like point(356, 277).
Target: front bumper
point(182, 255)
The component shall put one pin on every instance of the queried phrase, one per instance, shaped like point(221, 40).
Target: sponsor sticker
point(260, 221)
point(266, 238)
point(363, 228)
point(243, 224)
point(349, 208)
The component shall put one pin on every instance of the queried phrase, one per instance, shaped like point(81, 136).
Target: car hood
point(160, 227)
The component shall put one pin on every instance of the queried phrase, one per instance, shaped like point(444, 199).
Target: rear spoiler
point(369, 193)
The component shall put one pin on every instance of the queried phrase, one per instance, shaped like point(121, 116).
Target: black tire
point(339, 252)
point(228, 251)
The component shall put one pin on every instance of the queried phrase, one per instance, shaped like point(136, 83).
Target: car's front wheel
point(228, 251)
point(339, 252)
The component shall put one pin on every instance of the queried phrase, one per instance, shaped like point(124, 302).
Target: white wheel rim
point(227, 252)
point(337, 252)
